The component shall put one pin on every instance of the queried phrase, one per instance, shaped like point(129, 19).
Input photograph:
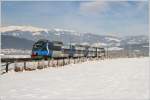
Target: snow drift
point(121, 79)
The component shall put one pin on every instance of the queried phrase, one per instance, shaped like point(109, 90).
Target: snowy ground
point(115, 79)
point(15, 56)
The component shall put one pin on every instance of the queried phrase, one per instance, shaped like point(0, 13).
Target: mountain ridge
point(33, 34)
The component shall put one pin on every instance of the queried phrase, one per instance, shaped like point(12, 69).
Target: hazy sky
point(99, 17)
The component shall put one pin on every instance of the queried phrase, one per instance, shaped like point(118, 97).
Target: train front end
point(41, 50)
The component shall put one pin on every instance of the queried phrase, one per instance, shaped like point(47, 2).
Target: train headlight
point(34, 54)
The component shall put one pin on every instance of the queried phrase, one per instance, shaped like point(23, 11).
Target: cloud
point(99, 7)
point(94, 6)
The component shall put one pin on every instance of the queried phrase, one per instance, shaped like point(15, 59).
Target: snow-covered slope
point(114, 48)
point(27, 32)
point(116, 79)
point(35, 33)
point(112, 39)
point(22, 28)
point(67, 36)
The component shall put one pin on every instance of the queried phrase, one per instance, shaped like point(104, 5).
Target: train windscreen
point(38, 45)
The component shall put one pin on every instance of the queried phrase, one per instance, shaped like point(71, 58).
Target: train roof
point(57, 42)
point(43, 40)
point(86, 45)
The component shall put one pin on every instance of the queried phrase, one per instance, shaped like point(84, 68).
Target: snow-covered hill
point(35, 33)
point(67, 36)
point(23, 28)
point(116, 79)
point(32, 34)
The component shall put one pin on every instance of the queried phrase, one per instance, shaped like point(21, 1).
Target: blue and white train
point(44, 49)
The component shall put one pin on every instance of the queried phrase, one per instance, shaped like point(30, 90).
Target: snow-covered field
point(111, 79)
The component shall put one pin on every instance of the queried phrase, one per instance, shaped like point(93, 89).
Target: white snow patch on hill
point(23, 28)
point(63, 31)
point(57, 29)
point(99, 44)
point(112, 39)
point(132, 42)
point(116, 79)
point(115, 48)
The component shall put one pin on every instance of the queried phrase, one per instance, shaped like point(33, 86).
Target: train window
point(66, 51)
point(44, 48)
point(38, 45)
point(50, 46)
point(57, 48)
point(103, 51)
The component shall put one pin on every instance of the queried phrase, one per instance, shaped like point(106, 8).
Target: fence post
point(52, 62)
point(74, 60)
point(7, 67)
point(63, 61)
point(38, 65)
point(48, 63)
point(57, 62)
point(24, 65)
point(43, 63)
point(15, 66)
point(69, 60)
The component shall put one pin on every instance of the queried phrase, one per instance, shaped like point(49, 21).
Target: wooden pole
point(24, 65)
point(7, 67)
point(63, 61)
point(69, 60)
point(15, 66)
point(57, 62)
point(48, 63)
point(52, 63)
point(74, 61)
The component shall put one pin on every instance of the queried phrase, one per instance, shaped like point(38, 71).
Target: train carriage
point(79, 51)
point(91, 52)
point(66, 51)
point(55, 49)
point(46, 49)
point(40, 49)
point(100, 52)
